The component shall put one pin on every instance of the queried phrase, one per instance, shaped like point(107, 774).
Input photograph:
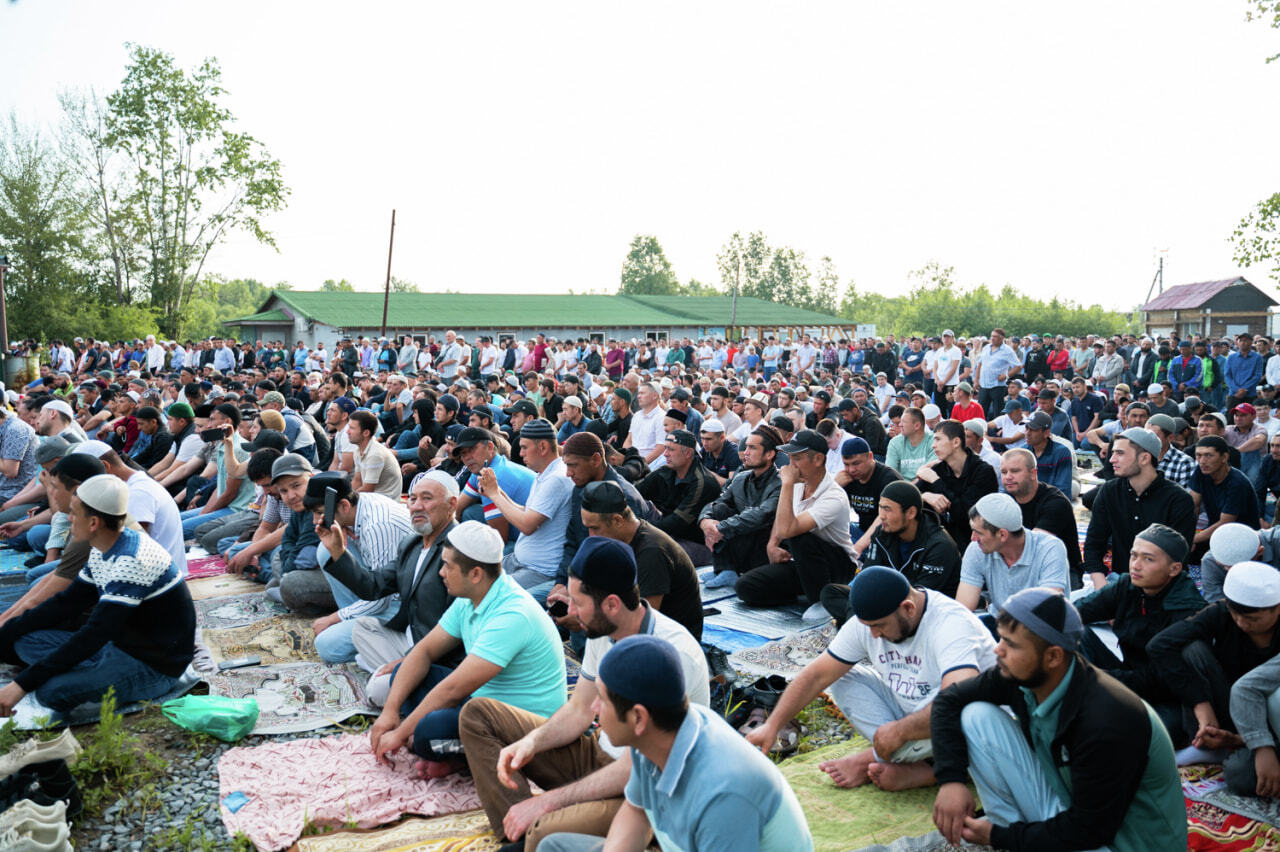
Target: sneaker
point(27, 810)
point(43, 784)
point(816, 612)
point(725, 579)
point(30, 836)
point(27, 752)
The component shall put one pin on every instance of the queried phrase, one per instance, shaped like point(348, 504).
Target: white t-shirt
point(189, 448)
point(943, 359)
point(1009, 429)
point(829, 508)
point(151, 505)
point(646, 429)
point(949, 637)
point(489, 360)
point(380, 466)
point(342, 444)
point(884, 396)
point(692, 660)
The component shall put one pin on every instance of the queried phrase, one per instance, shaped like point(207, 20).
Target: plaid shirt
point(1177, 466)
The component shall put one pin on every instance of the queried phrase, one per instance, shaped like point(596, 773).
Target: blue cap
point(346, 403)
point(1048, 614)
point(877, 591)
point(605, 564)
point(644, 669)
point(855, 447)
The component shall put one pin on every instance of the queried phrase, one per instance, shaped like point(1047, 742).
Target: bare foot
point(850, 771)
point(901, 776)
point(420, 769)
point(429, 769)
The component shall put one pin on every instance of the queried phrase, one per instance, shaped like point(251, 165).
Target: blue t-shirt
point(1233, 496)
point(693, 803)
point(915, 370)
point(514, 479)
point(511, 631)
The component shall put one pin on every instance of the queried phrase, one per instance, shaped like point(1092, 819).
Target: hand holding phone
point(330, 503)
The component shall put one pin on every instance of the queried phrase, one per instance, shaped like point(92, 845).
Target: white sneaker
point(27, 810)
point(64, 747)
point(30, 836)
point(816, 612)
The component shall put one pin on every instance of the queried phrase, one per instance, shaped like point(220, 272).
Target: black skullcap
point(79, 467)
point(604, 498)
point(605, 564)
point(644, 669)
point(677, 414)
point(877, 591)
point(1167, 539)
point(903, 493)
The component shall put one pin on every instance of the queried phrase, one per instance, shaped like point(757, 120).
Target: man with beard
point(883, 669)
point(582, 773)
point(738, 523)
point(1069, 720)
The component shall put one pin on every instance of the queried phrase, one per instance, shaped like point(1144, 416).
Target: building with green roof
point(322, 316)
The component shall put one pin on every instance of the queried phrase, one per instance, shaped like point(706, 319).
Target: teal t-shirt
point(247, 489)
point(510, 630)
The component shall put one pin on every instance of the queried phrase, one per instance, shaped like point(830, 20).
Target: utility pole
point(4, 316)
point(386, 294)
point(737, 285)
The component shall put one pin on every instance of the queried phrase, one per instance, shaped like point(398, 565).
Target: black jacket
point(421, 602)
point(747, 504)
point(932, 560)
point(977, 479)
point(1103, 735)
point(1136, 619)
point(1119, 514)
point(680, 500)
point(870, 429)
point(1232, 648)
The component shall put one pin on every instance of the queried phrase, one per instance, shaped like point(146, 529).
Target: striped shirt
point(381, 524)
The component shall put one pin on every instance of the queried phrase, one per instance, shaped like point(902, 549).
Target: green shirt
point(247, 489)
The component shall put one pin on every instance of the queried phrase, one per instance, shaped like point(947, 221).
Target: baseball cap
point(1039, 420)
point(682, 438)
point(471, 436)
point(521, 406)
point(290, 464)
point(805, 441)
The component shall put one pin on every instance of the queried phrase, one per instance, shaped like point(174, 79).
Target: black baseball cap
point(683, 438)
point(805, 441)
point(521, 406)
point(471, 436)
point(268, 438)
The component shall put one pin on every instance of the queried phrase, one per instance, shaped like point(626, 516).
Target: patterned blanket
point(296, 697)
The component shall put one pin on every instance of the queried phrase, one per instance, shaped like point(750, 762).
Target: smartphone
point(558, 609)
point(330, 503)
point(239, 663)
point(212, 436)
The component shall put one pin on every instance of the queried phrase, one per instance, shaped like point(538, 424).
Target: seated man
point(1253, 770)
point(1043, 507)
point(863, 478)
point(1069, 721)
point(1153, 595)
point(884, 668)
point(812, 522)
point(139, 636)
point(679, 489)
point(233, 493)
point(582, 772)
point(956, 481)
point(1231, 544)
point(513, 654)
point(666, 575)
point(368, 528)
point(738, 523)
point(642, 704)
point(543, 520)
point(414, 576)
point(1054, 462)
point(296, 580)
point(476, 450)
point(1004, 558)
point(377, 470)
point(719, 456)
point(18, 466)
point(1202, 657)
point(1222, 490)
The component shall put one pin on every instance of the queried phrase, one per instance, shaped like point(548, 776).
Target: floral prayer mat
point(296, 697)
point(221, 586)
point(464, 832)
point(786, 656)
point(278, 639)
point(1219, 819)
point(236, 610)
point(206, 566)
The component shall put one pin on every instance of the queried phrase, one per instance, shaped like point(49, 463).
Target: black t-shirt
point(1050, 510)
point(663, 568)
point(619, 429)
point(1233, 496)
point(864, 498)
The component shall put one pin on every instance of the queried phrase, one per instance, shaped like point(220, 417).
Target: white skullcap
point(1001, 511)
point(1154, 388)
point(439, 477)
point(712, 425)
point(931, 411)
point(1233, 543)
point(106, 493)
point(93, 448)
point(574, 401)
point(478, 541)
point(1254, 584)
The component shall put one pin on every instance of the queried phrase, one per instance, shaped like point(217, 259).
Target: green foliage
point(1257, 238)
point(113, 763)
point(694, 287)
point(777, 274)
point(936, 302)
point(646, 271)
point(216, 300)
point(399, 285)
point(343, 286)
point(1265, 10)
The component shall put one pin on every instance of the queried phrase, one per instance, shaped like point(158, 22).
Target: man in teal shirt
point(513, 654)
point(1082, 763)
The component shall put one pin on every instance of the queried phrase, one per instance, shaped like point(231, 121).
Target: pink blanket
point(330, 781)
point(206, 566)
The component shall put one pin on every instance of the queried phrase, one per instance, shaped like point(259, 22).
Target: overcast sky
point(1055, 147)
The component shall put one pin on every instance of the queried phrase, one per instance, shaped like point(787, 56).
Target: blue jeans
point(334, 644)
point(38, 572)
point(90, 679)
point(436, 736)
point(192, 519)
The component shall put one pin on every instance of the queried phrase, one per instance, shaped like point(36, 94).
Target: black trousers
point(814, 564)
point(992, 400)
point(741, 553)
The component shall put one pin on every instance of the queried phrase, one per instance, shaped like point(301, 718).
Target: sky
point(1059, 148)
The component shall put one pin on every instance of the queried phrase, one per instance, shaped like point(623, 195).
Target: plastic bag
point(228, 719)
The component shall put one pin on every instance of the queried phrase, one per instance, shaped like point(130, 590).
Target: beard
point(1035, 680)
point(599, 626)
point(423, 529)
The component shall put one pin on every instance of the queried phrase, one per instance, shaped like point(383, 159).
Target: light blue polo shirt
point(1043, 563)
point(694, 803)
point(510, 630)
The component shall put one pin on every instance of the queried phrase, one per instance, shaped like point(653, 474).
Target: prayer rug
point(295, 697)
point(221, 586)
point(769, 622)
point(1211, 829)
point(1206, 783)
point(786, 656)
point(931, 842)
point(279, 639)
point(465, 832)
point(729, 640)
point(30, 715)
point(333, 781)
point(13, 561)
point(842, 819)
point(206, 566)
point(236, 610)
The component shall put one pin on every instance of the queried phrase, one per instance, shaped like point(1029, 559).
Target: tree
point(399, 285)
point(646, 270)
point(1257, 238)
point(1265, 10)
point(742, 262)
point(191, 179)
point(694, 287)
point(343, 286)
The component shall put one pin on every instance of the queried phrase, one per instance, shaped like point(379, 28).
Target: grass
point(115, 763)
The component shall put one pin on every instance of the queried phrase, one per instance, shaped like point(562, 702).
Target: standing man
point(996, 363)
point(1243, 372)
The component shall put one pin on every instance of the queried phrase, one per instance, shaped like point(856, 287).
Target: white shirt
point(884, 395)
point(829, 508)
point(151, 506)
point(1009, 429)
point(949, 637)
point(488, 360)
point(646, 429)
point(943, 359)
point(155, 358)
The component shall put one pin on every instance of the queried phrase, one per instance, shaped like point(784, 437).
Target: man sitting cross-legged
point(513, 653)
point(883, 668)
point(582, 772)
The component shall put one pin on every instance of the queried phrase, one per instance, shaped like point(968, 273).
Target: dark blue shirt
point(1233, 496)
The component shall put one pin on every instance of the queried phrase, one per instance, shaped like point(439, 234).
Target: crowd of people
point(454, 516)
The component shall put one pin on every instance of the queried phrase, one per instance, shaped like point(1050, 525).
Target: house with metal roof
point(323, 316)
point(1213, 309)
